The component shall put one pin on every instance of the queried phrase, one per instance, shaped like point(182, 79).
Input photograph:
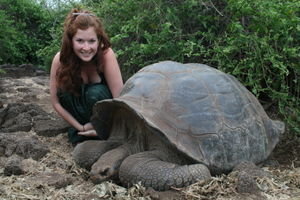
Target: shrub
point(145, 32)
point(9, 41)
point(260, 46)
point(29, 24)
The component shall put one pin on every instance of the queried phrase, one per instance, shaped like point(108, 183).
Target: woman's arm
point(112, 72)
point(54, 99)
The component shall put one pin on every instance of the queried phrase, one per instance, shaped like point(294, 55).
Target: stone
point(31, 147)
point(50, 128)
point(13, 166)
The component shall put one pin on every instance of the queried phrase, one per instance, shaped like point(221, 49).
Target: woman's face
point(85, 44)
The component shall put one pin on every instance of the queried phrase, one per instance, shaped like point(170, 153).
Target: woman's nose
point(86, 46)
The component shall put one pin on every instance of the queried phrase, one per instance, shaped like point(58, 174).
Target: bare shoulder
point(108, 51)
point(56, 58)
point(54, 66)
point(109, 59)
point(55, 62)
point(109, 54)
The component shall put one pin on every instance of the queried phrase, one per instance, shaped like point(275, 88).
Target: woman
point(83, 72)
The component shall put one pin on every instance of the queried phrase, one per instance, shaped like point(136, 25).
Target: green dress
point(80, 107)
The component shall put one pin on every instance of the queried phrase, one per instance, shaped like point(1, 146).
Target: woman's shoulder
point(55, 62)
point(108, 55)
point(108, 52)
point(56, 59)
point(57, 56)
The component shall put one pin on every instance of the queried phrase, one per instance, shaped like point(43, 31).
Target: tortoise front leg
point(149, 169)
point(87, 153)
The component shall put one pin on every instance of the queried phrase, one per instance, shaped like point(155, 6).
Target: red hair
point(69, 73)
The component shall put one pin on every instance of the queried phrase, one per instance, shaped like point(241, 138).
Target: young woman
point(83, 72)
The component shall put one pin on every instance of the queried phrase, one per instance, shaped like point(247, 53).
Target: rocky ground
point(36, 158)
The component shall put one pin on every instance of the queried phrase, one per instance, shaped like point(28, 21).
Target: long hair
point(69, 74)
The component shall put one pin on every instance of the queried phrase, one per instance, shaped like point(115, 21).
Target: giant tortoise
point(175, 124)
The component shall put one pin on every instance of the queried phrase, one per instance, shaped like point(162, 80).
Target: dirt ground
point(56, 176)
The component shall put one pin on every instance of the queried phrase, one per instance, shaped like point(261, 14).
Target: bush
point(145, 32)
point(257, 41)
point(260, 46)
point(27, 23)
point(9, 41)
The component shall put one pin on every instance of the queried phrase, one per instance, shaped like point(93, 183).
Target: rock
point(22, 145)
point(20, 117)
point(3, 113)
point(23, 70)
point(20, 122)
point(7, 144)
point(31, 147)
point(247, 172)
point(3, 161)
point(13, 166)
point(50, 128)
point(251, 169)
point(246, 184)
point(15, 118)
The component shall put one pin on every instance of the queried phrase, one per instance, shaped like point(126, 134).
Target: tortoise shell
point(206, 114)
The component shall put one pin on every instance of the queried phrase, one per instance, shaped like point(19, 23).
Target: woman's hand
point(87, 130)
point(88, 133)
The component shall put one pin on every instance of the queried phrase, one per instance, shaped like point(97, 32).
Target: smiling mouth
point(86, 54)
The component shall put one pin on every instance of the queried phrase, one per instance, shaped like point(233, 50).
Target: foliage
point(260, 46)
point(149, 31)
point(8, 37)
point(47, 53)
point(28, 24)
point(2, 71)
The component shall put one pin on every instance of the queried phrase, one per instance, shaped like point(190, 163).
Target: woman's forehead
point(86, 33)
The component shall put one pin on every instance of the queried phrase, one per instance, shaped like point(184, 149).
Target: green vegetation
point(257, 41)
point(2, 71)
point(25, 30)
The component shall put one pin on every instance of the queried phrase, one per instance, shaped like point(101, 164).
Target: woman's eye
point(79, 40)
point(92, 41)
